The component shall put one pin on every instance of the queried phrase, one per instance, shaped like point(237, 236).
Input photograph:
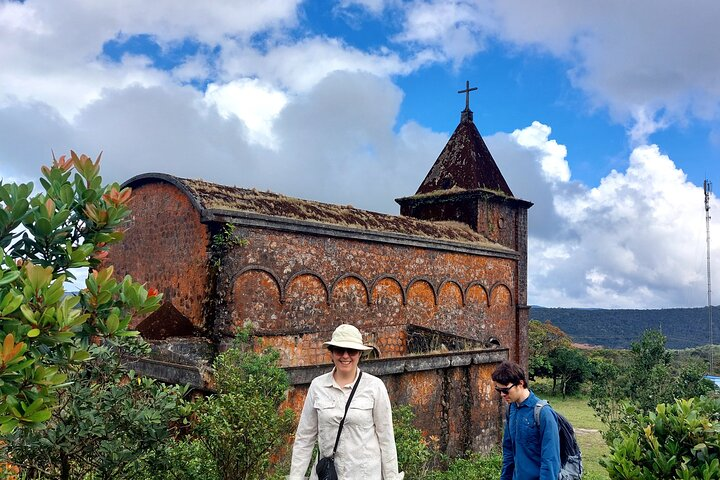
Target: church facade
point(439, 291)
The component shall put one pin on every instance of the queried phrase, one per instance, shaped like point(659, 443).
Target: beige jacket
point(366, 450)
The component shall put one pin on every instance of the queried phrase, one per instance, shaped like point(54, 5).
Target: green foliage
point(222, 242)
point(186, 459)
point(474, 467)
point(543, 339)
point(43, 332)
point(551, 355)
point(107, 419)
point(421, 459)
point(415, 453)
point(241, 426)
point(647, 378)
point(570, 368)
point(679, 440)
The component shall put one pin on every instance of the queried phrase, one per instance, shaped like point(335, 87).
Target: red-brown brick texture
point(297, 288)
point(165, 246)
point(295, 278)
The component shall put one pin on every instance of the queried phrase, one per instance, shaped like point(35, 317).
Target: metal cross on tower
point(467, 94)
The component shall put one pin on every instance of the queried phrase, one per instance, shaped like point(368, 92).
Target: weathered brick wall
point(296, 288)
point(454, 404)
point(165, 246)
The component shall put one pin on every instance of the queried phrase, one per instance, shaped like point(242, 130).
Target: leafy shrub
point(43, 237)
point(415, 453)
point(106, 420)
point(241, 425)
point(679, 440)
point(474, 467)
point(186, 459)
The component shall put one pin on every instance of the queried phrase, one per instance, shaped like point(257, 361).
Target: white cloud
point(315, 117)
point(553, 163)
point(635, 241)
point(287, 63)
point(454, 28)
point(253, 102)
point(51, 50)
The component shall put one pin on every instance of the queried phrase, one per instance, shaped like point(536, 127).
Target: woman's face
point(345, 359)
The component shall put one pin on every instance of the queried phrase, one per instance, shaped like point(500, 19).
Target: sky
point(605, 115)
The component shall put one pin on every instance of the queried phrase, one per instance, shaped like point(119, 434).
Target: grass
point(587, 428)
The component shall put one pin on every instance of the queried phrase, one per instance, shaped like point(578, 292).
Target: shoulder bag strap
point(347, 406)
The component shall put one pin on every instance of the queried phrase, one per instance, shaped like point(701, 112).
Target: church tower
point(465, 185)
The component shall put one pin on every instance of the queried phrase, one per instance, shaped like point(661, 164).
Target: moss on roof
point(212, 196)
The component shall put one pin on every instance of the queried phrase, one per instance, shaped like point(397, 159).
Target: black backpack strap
point(347, 406)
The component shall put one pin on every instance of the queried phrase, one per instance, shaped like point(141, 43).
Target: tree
point(59, 360)
point(43, 237)
point(570, 367)
point(543, 338)
point(647, 379)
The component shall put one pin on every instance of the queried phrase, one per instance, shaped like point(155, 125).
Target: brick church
point(439, 290)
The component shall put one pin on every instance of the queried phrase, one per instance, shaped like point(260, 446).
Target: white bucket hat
point(347, 336)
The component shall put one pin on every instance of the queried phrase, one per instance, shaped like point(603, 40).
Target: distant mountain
point(683, 327)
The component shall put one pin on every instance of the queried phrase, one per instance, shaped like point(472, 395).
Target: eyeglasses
point(342, 351)
point(505, 390)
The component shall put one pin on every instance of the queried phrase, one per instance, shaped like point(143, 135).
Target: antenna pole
point(707, 187)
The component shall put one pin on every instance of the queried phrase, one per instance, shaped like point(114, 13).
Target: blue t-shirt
point(530, 451)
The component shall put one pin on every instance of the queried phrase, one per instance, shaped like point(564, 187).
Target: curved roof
point(210, 198)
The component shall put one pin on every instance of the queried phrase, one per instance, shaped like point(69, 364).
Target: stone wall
point(451, 395)
point(165, 246)
point(296, 288)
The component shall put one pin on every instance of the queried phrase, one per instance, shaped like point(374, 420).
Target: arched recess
point(256, 296)
point(476, 293)
point(258, 268)
point(450, 293)
point(387, 290)
point(302, 277)
point(306, 304)
point(420, 291)
point(351, 288)
point(500, 295)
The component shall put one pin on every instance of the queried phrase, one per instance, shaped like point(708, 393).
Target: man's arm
point(508, 466)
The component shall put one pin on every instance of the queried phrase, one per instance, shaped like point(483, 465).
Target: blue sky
point(604, 114)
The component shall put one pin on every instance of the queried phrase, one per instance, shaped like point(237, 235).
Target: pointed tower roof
point(465, 162)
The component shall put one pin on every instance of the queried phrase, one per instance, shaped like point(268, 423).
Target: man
point(530, 451)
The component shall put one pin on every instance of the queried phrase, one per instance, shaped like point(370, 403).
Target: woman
point(366, 450)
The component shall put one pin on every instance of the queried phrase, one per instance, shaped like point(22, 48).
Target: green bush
point(679, 440)
point(107, 420)
point(186, 459)
point(241, 425)
point(415, 454)
point(44, 333)
point(476, 466)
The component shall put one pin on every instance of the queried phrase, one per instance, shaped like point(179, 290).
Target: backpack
point(571, 467)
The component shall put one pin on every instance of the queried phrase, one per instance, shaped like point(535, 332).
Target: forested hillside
point(683, 327)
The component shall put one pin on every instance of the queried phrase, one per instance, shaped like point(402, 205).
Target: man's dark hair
point(509, 372)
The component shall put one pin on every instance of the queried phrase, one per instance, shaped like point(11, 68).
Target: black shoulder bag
point(325, 468)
